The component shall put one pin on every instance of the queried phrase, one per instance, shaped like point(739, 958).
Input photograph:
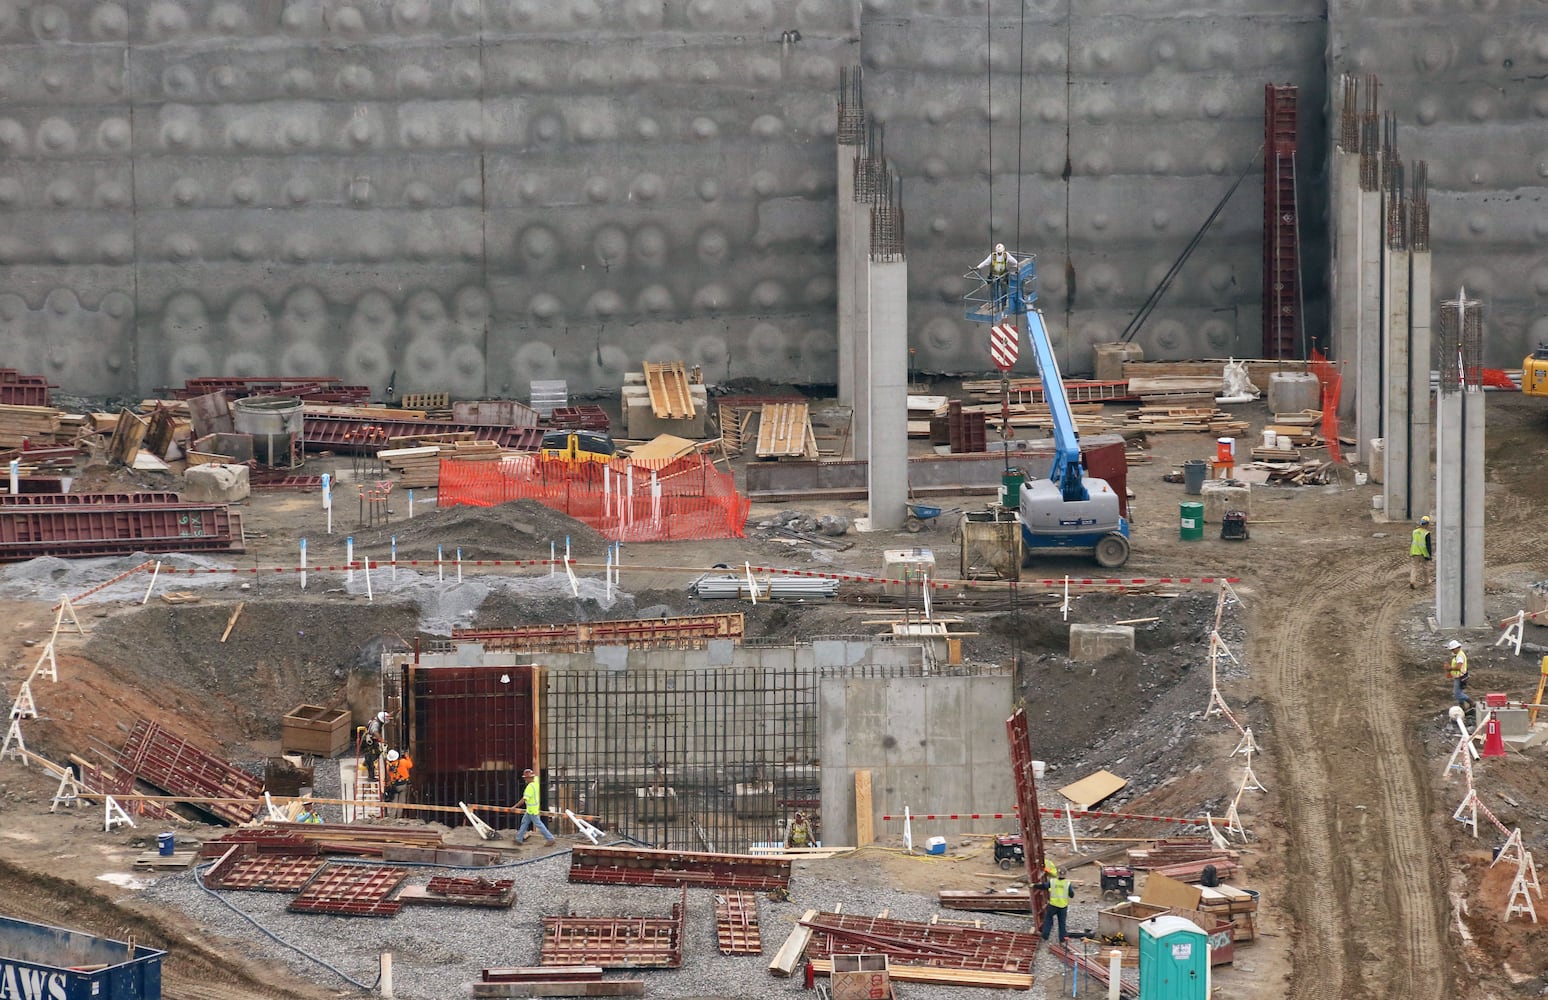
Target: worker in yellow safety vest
point(532, 800)
point(1420, 553)
point(1060, 891)
point(999, 264)
point(1456, 669)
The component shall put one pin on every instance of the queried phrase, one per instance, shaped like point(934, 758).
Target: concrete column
point(1344, 288)
point(1459, 509)
point(847, 264)
point(1368, 366)
point(1421, 495)
point(887, 366)
point(860, 363)
point(1395, 423)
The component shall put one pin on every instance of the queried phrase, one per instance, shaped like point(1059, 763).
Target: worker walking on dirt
point(996, 269)
point(399, 766)
point(1060, 891)
point(1420, 554)
point(1456, 669)
point(532, 799)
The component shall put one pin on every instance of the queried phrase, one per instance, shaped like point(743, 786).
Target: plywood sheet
point(1163, 891)
point(1093, 788)
point(660, 450)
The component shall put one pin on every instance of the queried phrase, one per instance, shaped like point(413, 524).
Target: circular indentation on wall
point(608, 364)
point(539, 245)
point(62, 193)
point(1480, 108)
point(1217, 334)
point(303, 358)
point(297, 17)
point(1163, 51)
point(187, 191)
point(10, 191)
point(247, 246)
point(471, 305)
point(346, 21)
point(766, 345)
point(647, 187)
point(360, 131)
point(228, 19)
point(704, 71)
point(468, 75)
point(411, 13)
point(165, 21)
point(50, 23)
point(820, 290)
point(116, 305)
point(644, 14)
point(1478, 223)
point(545, 306)
point(1215, 162)
point(418, 134)
point(1479, 172)
point(108, 23)
point(1159, 161)
point(650, 245)
point(13, 138)
point(764, 183)
point(1101, 279)
point(53, 81)
point(298, 190)
point(1097, 110)
point(61, 249)
point(355, 79)
point(466, 15)
point(177, 134)
point(190, 361)
point(1220, 279)
point(708, 189)
point(610, 245)
point(712, 298)
point(655, 300)
point(414, 80)
point(244, 190)
point(710, 353)
point(224, 79)
point(470, 191)
point(547, 127)
point(179, 83)
point(116, 248)
point(943, 335)
point(605, 304)
point(768, 294)
point(704, 127)
point(1214, 106)
point(713, 247)
point(241, 134)
point(417, 193)
point(181, 246)
point(112, 194)
point(767, 126)
point(298, 81)
point(599, 190)
point(1097, 163)
point(56, 135)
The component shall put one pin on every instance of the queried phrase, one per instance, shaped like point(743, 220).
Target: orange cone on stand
point(1494, 741)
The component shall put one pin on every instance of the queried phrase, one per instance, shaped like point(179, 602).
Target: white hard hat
point(999, 248)
point(1453, 644)
point(383, 717)
point(392, 755)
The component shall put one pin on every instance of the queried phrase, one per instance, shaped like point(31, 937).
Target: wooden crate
point(316, 730)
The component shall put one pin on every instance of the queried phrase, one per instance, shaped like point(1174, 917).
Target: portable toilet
point(1173, 959)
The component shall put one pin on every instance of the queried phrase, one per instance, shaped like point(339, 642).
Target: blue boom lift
point(1066, 512)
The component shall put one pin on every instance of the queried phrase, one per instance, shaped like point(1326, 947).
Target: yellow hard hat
point(1425, 519)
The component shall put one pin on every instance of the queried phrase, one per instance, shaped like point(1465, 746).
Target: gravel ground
point(434, 948)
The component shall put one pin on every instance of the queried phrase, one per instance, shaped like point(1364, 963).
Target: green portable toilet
point(1173, 960)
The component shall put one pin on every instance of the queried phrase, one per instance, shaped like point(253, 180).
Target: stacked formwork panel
point(1281, 226)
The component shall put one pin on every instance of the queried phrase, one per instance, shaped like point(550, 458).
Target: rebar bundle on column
point(851, 107)
point(1461, 344)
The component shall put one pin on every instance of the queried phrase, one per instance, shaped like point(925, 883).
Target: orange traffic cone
point(1494, 742)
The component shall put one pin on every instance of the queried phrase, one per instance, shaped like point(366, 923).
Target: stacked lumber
point(331, 838)
point(33, 424)
point(1258, 369)
point(421, 440)
point(1199, 419)
point(421, 467)
point(1169, 388)
point(1293, 472)
point(1193, 871)
point(1176, 850)
point(1232, 905)
point(555, 981)
point(942, 977)
point(986, 901)
point(443, 890)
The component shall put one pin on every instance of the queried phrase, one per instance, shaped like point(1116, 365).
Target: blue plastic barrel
point(164, 844)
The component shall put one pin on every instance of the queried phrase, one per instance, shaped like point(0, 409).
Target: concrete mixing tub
point(51, 963)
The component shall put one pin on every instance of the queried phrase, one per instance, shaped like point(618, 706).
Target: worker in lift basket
point(996, 269)
point(1060, 891)
point(1420, 554)
point(1456, 669)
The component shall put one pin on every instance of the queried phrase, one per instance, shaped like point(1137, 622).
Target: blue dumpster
point(52, 963)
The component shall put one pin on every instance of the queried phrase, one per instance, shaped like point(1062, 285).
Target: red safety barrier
point(686, 499)
point(1332, 388)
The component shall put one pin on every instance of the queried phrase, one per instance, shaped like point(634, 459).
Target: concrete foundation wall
point(471, 194)
point(934, 744)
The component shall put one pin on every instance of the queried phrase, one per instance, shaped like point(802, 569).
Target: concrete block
point(1092, 643)
point(1109, 359)
point(1221, 495)
point(1377, 466)
point(1513, 722)
point(216, 484)
point(908, 567)
point(1292, 392)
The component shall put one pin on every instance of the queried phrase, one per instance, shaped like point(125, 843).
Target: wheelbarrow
point(921, 516)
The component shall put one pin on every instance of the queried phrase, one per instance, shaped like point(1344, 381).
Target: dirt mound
point(521, 529)
point(279, 654)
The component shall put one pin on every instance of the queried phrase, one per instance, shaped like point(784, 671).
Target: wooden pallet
point(670, 398)
point(426, 400)
point(785, 431)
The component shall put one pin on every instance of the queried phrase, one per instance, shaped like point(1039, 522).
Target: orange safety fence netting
point(1332, 383)
point(686, 499)
point(1498, 378)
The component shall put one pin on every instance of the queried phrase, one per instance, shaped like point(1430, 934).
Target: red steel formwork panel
point(908, 942)
point(616, 942)
point(320, 389)
point(736, 923)
point(86, 499)
point(1020, 736)
point(341, 433)
point(74, 530)
point(472, 734)
point(684, 632)
point(1281, 225)
point(631, 866)
point(262, 872)
point(158, 758)
point(351, 891)
point(579, 418)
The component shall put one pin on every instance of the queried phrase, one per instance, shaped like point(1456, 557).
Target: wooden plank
point(1163, 891)
point(942, 977)
point(789, 954)
point(231, 623)
point(670, 398)
point(598, 988)
point(1093, 788)
point(865, 830)
point(784, 430)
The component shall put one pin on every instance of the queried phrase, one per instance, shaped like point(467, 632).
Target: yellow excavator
point(577, 446)
point(1534, 372)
